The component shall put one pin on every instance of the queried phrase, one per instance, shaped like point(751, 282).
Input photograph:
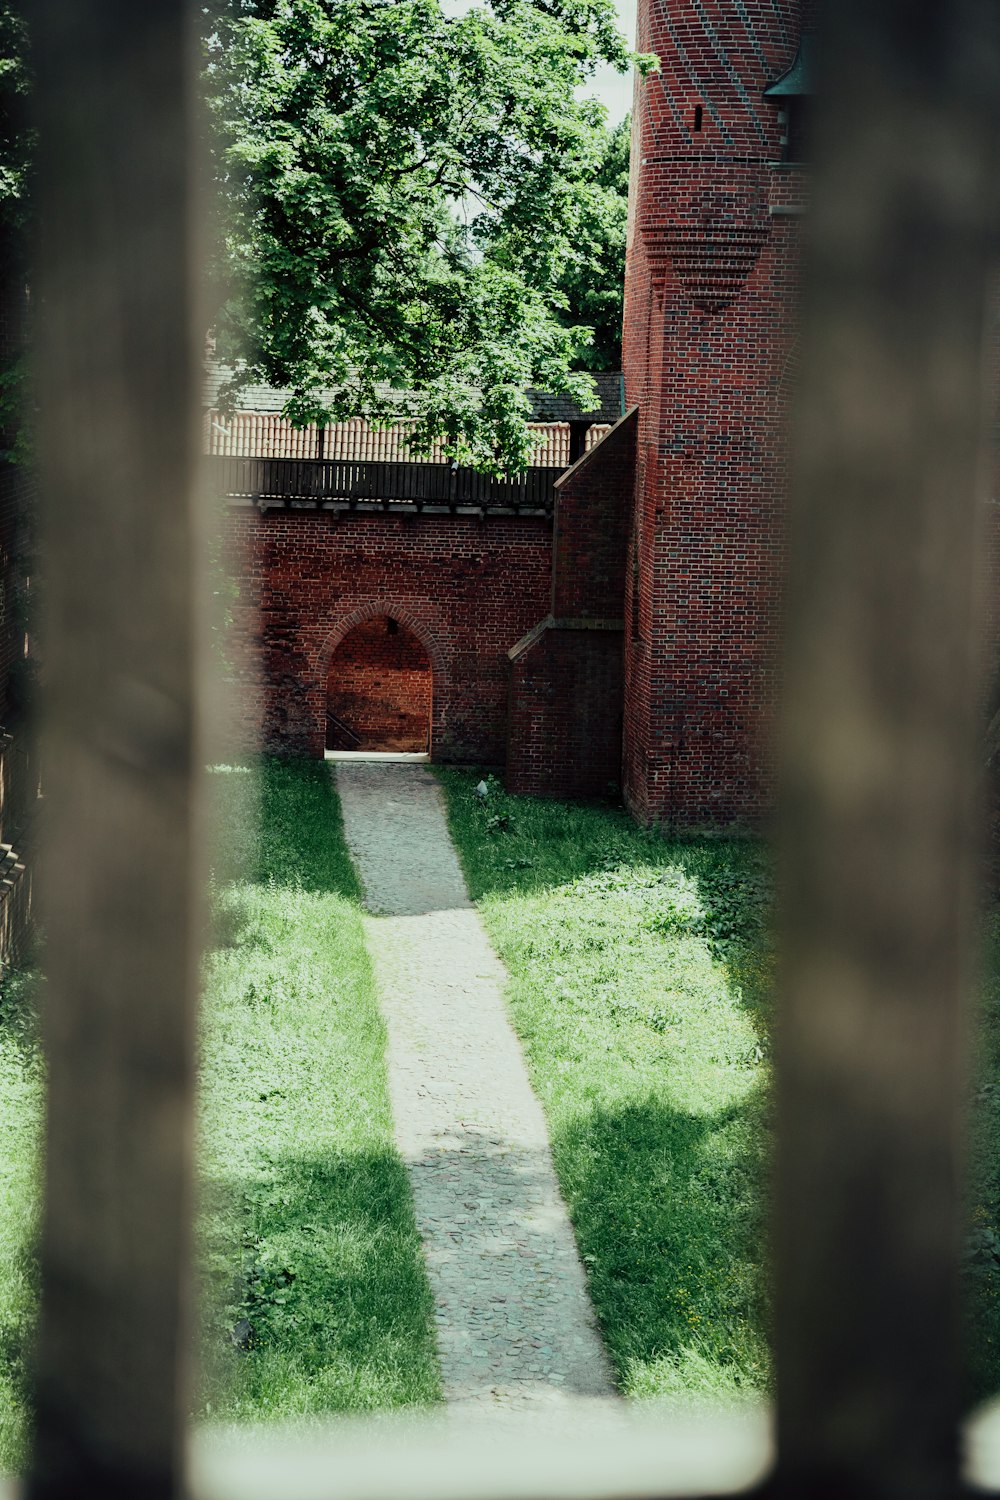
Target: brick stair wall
point(566, 684)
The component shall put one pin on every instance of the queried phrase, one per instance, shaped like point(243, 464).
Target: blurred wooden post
point(117, 441)
point(880, 748)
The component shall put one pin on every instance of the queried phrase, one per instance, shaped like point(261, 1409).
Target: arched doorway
point(379, 689)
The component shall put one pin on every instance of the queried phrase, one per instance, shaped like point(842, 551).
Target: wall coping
point(585, 458)
point(550, 622)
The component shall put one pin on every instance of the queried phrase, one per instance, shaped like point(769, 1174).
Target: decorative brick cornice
point(709, 221)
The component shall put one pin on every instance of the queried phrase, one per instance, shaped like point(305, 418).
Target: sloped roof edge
point(797, 81)
point(591, 453)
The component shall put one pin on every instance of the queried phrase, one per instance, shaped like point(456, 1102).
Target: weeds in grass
point(315, 1297)
point(641, 988)
point(21, 1088)
point(641, 983)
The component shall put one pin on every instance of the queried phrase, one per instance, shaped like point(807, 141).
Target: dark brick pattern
point(710, 320)
point(565, 718)
point(565, 736)
point(467, 588)
point(379, 689)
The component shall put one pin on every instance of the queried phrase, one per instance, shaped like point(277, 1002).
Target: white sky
point(615, 89)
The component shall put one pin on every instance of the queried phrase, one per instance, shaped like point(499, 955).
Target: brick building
point(379, 597)
point(630, 637)
point(658, 664)
point(710, 324)
point(709, 348)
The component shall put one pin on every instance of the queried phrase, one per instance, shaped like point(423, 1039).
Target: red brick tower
point(710, 314)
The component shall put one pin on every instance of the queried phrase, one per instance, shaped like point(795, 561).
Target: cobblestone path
point(514, 1323)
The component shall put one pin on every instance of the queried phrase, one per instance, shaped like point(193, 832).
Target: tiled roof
point(544, 406)
point(549, 408)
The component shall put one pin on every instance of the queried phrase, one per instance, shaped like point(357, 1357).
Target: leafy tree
point(16, 153)
point(593, 278)
point(15, 141)
point(412, 193)
point(414, 198)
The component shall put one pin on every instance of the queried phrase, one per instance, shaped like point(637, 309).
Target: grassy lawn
point(20, 1126)
point(640, 989)
point(640, 986)
point(316, 1299)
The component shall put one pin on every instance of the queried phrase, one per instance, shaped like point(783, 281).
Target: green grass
point(641, 980)
point(20, 1128)
point(308, 1244)
point(640, 988)
point(308, 1228)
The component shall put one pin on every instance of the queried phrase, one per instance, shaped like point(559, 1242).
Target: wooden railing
point(359, 484)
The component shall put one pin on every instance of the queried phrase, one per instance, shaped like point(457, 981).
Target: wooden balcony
point(361, 484)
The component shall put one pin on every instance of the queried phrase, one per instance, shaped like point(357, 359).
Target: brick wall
point(710, 327)
point(565, 714)
point(467, 588)
point(646, 639)
point(590, 542)
point(566, 674)
point(379, 689)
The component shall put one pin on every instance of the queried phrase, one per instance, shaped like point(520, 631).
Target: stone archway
point(379, 688)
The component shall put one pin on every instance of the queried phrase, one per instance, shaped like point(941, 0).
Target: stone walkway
point(514, 1323)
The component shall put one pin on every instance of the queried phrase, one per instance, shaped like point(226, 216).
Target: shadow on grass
point(17, 1335)
point(20, 996)
point(533, 844)
point(292, 839)
point(669, 1211)
point(314, 1295)
point(17, 1327)
point(530, 844)
point(669, 1203)
point(302, 838)
point(528, 847)
point(322, 1305)
point(666, 1208)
